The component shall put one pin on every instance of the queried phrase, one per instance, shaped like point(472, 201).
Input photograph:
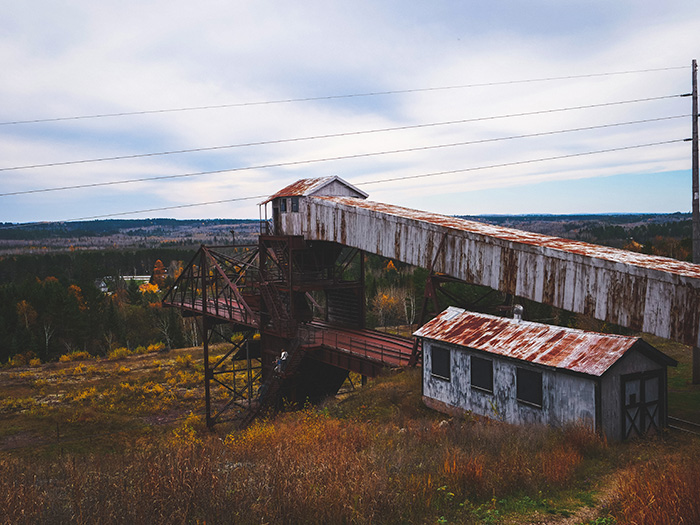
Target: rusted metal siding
point(567, 398)
point(654, 294)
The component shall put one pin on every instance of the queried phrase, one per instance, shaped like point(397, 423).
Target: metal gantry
point(267, 295)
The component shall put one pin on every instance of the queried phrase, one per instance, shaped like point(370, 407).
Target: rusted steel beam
point(643, 292)
point(348, 361)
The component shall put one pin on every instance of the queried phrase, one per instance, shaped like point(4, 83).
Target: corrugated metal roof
point(653, 262)
point(305, 187)
point(564, 348)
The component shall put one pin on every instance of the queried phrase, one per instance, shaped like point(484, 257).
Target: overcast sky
point(84, 58)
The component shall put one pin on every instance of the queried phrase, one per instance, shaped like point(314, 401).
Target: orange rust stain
point(565, 348)
point(654, 262)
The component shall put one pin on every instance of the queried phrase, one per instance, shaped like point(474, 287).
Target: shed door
point(642, 400)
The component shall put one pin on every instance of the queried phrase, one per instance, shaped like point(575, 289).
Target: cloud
point(87, 58)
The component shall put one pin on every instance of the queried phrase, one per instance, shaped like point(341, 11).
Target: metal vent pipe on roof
point(518, 312)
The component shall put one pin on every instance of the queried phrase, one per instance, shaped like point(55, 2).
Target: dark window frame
point(528, 386)
point(441, 363)
point(481, 373)
point(295, 204)
point(283, 205)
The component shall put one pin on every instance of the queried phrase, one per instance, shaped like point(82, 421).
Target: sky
point(286, 73)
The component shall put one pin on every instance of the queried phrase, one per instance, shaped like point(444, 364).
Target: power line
point(337, 97)
point(366, 183)
point(165, 208)
point(336, 135)
point(520, 162)
point(329, 159)
point(150, 210)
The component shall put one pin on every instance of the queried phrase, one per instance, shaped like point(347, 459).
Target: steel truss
point(266, 289)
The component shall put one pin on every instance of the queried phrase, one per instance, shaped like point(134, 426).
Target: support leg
point(207, 373)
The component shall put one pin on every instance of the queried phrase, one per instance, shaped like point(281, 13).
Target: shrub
point(21, 359)
point(119, 353)
point(184, 361)
point(188, 432)
point(155, 347)
point(78, 355)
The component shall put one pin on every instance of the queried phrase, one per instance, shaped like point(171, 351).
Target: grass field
point(683, 396)
point(122, 440)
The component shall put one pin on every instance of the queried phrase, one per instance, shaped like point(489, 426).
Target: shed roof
point(306, 187)
point(554, 346)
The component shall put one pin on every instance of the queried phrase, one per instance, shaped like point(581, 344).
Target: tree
point(48, 334)
point(75, 291)
point(385, 306)
point(26, 313)
point(169, 325)
point(191, 330)
point(409, 307)
point(148, 288)
point(133, 293)
point(158, 277)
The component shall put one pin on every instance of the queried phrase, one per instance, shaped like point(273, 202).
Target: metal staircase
point(277, 309)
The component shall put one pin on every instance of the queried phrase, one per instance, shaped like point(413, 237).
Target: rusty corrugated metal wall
point(653, 294)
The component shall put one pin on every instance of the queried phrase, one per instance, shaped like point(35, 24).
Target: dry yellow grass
point(377, 456)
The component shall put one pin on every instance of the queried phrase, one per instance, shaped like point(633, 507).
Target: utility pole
point(696, 204)
point(696, 185)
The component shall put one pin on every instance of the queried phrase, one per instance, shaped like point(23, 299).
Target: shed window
point(440, 360)
point(295, 204)
point(482, 373)
point(529, 386)
point(283, 205)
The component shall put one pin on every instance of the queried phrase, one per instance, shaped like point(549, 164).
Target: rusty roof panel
point(299, 188)
point(554, 346)
point(653, 262)
point(305, 187)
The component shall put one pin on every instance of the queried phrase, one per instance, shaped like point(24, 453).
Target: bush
point(119, 353)
point(184, 361)
point(78, 355)
point(21, 359)
point(156, 347)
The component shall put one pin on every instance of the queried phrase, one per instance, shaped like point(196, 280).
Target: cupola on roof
point(329, 186)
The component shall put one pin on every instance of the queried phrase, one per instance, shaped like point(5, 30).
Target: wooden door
point(643, 403)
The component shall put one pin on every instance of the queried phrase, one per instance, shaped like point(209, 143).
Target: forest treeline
point(100, 228)
point(52, 306)
point(50, 303)
point(669, 239)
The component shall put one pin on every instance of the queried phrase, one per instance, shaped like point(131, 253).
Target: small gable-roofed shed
point(522, 372)
point(290, 199)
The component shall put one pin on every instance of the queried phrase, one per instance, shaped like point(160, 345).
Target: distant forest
point(102, 228)
point(50, 302)
point(668, 235)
